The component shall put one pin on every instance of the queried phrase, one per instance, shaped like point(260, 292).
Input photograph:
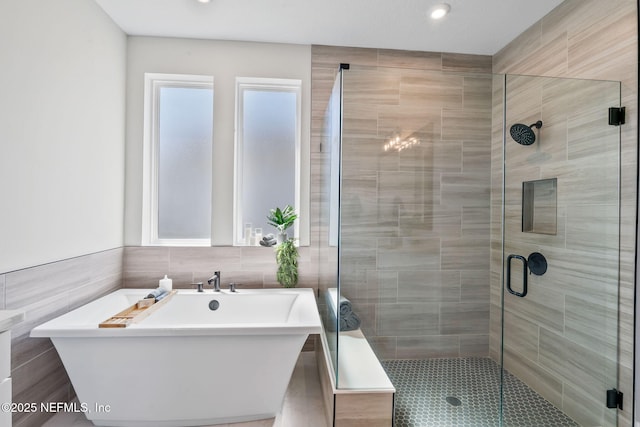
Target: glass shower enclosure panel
point(329, 275)
point(560, 252)
point(414, 223)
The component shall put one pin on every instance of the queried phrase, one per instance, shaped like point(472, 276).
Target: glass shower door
point(560, 251)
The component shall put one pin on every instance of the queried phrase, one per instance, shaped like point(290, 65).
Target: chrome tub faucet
point(215, 279)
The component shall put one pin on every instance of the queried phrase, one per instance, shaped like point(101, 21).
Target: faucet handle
point(232, 287)
point(199, 285)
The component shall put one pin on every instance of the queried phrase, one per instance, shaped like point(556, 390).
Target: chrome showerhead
point(523, 134)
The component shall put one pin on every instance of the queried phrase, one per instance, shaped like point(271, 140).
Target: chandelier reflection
point(399, 144)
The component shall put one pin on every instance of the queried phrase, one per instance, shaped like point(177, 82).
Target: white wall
point(224, 60)
point(62, 84)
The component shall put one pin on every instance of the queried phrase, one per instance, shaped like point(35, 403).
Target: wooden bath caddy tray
point(135, 313)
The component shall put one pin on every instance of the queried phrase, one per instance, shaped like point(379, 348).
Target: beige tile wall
point(583, 39)
point(415, 224)
point(44, 292)
point(249, 267)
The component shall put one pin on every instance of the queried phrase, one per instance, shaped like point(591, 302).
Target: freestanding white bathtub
point(185, 364)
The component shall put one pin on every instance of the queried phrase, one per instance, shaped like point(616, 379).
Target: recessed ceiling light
point(440, 11)
point(204, 1)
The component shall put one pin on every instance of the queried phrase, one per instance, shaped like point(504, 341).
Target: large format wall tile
point(406, 59)
point(585, 368)
point(429, 286)
point(43, 379)
point(464, 318)
point(25, 286)
point(534, 375)
point(405, 319)
point(429, 220)
point(464, 62)
point(429, 346)
point(430, 91)
point(464, 189)
point(465, 254)
point(408, 253)
point(474, 285)
point(248, 267)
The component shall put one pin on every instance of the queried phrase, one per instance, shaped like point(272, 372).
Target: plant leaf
point(282, 218)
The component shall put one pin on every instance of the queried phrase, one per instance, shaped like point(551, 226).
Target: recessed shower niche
point(539, 206)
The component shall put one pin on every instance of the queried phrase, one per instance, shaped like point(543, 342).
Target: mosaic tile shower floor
point(422, 388)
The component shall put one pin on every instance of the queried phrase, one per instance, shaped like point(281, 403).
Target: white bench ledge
point(358, 366)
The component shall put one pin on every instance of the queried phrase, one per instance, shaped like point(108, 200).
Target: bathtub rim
point(304, 319)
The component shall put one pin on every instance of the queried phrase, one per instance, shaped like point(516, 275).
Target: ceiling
point(472, 26)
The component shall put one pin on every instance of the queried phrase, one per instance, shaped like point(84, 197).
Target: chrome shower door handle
point(524, 275)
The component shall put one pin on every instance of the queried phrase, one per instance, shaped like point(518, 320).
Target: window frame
point(273, 84)
point(153, 83)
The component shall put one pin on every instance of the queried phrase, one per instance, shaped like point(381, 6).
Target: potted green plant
point(282, 219)
point(286, 251)
point(287, 259)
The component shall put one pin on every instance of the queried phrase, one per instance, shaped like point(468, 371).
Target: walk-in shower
point(421, 239)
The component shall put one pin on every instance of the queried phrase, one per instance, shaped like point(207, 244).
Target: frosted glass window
point(177, 160)
point(267, 144)
point(184, 162)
